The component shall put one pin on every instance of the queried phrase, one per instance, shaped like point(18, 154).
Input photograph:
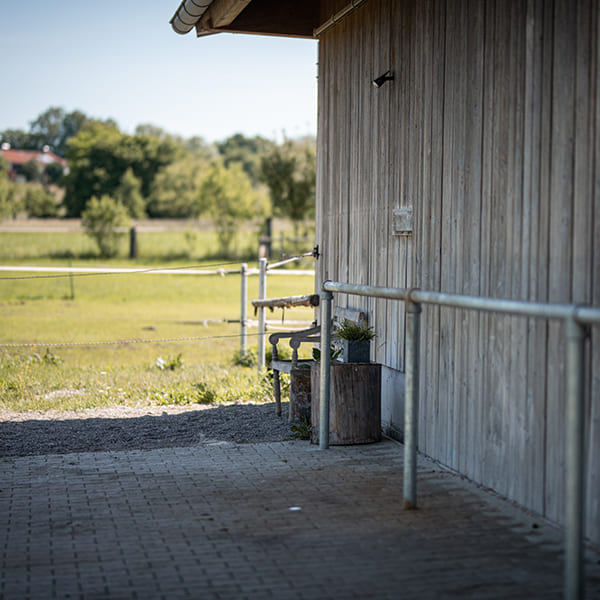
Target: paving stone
point(274, 520)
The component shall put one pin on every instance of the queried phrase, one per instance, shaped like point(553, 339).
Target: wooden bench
point(296, 338)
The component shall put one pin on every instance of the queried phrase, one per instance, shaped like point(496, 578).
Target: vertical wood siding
point(490, 132)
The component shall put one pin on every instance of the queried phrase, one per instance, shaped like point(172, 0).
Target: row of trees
point(154, 174)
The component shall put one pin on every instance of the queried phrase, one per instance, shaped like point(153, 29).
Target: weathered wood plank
point(432, 348)
point(560, 246)
point(472, 352)
point(533, 494)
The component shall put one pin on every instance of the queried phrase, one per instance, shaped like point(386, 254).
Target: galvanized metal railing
point(576, 319)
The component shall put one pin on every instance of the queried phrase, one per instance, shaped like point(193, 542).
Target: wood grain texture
point(490, 133)
point(355, 406)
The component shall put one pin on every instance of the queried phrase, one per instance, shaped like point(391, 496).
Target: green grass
point(196, 245)
point(37, 313)
point(152, 246)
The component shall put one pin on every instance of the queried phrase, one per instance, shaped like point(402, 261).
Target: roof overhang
point(291, 18)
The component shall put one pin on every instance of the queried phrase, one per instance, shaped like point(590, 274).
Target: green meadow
point(71, 342)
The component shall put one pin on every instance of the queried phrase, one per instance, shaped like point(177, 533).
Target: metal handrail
point(576, 317)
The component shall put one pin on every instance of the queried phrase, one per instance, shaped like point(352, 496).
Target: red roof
point(18, 157)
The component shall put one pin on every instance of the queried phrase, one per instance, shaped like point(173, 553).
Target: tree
point(55, 127)
point(289, 171)
point(245, 151)
point(149, 130)
point(53, 172)
point(130, 196)
point(199, 148)
point(32, 170)
point(19, 139)
point(8, 208)
point(174, 192)
point(101, 219)
point(100, 154)
point(4, 167)
point(228, 197)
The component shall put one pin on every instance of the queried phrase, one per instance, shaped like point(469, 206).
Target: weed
point(171, 397)
point(246, 359)
point(301, 430)
point(51, 359)
point(170, 364)
point(204, 393)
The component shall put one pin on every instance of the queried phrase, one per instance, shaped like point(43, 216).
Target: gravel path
point(139, 428)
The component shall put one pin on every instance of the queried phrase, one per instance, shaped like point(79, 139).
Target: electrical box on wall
point(402, 221)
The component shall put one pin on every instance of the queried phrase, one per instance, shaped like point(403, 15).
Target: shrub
point(247, 359)
point(101, 220)
point(39, 202)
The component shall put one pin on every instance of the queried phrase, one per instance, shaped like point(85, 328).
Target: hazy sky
point(121, 59)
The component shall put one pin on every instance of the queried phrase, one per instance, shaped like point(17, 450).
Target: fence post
point(262, 294)
point(133, 243)
point(244, 308)
point(268, 233)
point(324, 389)
point(411, 405)
point(575, 435)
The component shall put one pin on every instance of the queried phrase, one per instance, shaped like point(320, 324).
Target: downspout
point(188, 14)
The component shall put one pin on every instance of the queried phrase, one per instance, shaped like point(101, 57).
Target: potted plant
point(356, 341)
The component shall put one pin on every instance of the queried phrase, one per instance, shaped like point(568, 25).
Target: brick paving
point(280, 520)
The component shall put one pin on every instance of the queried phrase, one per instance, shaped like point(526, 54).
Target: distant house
point(17, 158)
point(474, 168)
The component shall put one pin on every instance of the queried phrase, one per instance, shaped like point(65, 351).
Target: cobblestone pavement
point(280, 520)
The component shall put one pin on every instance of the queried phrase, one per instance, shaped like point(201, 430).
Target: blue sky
point(121, 59)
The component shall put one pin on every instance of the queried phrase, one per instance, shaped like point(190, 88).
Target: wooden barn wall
point(490, 133)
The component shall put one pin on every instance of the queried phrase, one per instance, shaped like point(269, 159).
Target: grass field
point(128, 338)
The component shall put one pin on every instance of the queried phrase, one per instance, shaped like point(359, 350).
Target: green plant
point(101, 219)
point(302, 430)
point(52, 359)
point(334, 353)
point(245, 359)
point(349, 330)
point(205, 394)
point(170, 364)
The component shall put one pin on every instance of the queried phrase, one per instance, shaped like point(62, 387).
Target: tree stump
point(300, 396)
point(355, 403)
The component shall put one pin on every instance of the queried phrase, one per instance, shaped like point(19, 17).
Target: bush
point(247, 359)
point(40, 202)
point(101, 220)
point(9, 199)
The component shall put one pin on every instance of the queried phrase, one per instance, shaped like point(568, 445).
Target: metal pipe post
point(324, 389)
point(243, 308)
point(575, 435)
point(262, 294)
point(411, 404)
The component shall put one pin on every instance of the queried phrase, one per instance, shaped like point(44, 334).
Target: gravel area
point(139, 428)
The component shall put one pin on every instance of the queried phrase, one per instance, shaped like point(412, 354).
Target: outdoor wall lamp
point(387, 76)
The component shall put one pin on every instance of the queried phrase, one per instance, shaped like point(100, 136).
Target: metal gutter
point(188, 14)
point(337, 17)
